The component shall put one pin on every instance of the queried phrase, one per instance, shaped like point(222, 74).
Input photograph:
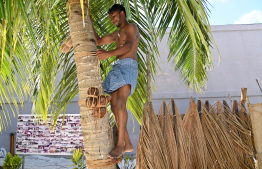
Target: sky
point(224, 12)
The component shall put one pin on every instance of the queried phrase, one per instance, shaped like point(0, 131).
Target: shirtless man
point(121, 80)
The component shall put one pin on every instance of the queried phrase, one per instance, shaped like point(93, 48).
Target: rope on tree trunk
point(81, 54)
point(101, 163)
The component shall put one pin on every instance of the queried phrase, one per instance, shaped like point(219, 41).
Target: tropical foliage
point(12, 162)
point(78, 159)
point(31, 60)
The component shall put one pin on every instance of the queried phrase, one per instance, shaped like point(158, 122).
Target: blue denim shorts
point(124, 71)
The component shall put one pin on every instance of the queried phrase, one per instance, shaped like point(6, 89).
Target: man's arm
point(131, 35)
point(105, 39)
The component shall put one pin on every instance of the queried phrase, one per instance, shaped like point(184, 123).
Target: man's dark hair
point(117, 7)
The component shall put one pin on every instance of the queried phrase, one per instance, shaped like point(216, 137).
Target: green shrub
point(78, 159)
point(12, 162)
point(128, 163)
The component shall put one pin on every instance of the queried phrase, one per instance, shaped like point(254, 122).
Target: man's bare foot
point(128, 148)
point(114, 161)
point(117, 152)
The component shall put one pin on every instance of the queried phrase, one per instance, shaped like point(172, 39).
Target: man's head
point(117, 14)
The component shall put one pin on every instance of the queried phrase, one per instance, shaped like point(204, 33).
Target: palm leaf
point(152, 150)
point(197, 151)
point(165, 120)
point(32, 32)
point(189, 39)
point(219, 145)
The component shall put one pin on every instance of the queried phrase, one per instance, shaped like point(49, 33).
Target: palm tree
point(31, 36)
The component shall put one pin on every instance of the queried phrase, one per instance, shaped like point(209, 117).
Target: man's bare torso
point(120, 37)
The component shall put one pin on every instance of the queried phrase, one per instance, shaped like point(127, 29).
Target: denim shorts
point(124, 71)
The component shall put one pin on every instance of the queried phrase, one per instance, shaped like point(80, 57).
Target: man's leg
point(128, 144)
point(118, 107)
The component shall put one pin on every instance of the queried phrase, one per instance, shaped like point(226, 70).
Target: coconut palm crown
point(32, 32)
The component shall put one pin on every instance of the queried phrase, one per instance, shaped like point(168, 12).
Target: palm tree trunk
point(97, 134)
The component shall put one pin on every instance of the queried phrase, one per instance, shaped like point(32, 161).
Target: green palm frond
point(189, 40)
point(32, 33)
point(50, 32)
point(14, 85)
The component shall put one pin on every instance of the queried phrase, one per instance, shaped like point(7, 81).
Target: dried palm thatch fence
point(208, 136)
point(256, 116)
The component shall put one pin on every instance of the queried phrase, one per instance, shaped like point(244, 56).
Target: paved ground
point(45, 162)
point(54, 162)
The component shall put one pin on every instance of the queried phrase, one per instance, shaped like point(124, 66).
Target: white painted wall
point(240, 47)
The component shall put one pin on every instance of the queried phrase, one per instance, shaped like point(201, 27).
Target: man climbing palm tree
point(121, 80)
